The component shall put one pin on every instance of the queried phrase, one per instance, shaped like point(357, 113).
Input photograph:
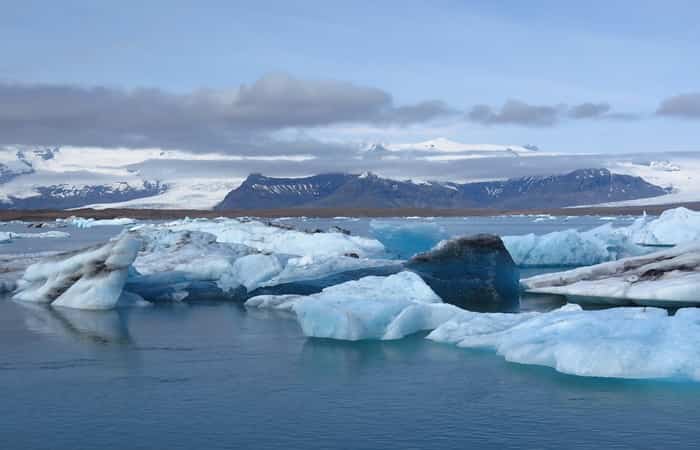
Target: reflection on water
point(94, 326)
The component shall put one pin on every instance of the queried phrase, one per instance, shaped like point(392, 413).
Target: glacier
point(369, 308)
point(629, 342)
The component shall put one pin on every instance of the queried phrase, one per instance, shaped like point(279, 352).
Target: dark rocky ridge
point(339, 190)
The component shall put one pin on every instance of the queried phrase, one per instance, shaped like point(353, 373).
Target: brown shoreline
point(165, 214)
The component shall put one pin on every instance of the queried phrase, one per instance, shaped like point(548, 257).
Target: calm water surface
point(217, 376)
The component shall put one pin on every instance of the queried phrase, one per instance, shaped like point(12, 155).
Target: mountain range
point(367, 190)
point(152, 178)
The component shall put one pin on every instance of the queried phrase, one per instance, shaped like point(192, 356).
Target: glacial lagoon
point(220, 375)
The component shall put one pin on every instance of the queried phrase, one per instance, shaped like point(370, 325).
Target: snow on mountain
point(369, 190)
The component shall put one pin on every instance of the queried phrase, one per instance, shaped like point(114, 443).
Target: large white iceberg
point(605, 243)
point(617, 342)
point(87, 279)
point(277, 239)
point(369, 308)
point(571, 247)
point(669, 277)
point(674, 226)
point(175, 263)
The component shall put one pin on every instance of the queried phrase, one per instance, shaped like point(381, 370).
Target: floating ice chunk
point(369, 308)
point(618, 342)
point(251, 271)
point(281, 240)
point(405, 239)
point(87, 279)
point(13, 266)
point(673, 227)
point(605, 243)
point(81, 222)
point(472, 272)
point(184, 264)
point(280, 302)
point(665, 278)
point(6, 236)
point(575, 248)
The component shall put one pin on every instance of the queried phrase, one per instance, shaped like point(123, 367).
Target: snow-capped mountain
point(367, 190)
point(71, 177)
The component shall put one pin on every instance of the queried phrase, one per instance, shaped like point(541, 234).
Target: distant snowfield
point(443, 149)
point(182, 194)
point(202, 180)
point(449, 146)
point(680, 174)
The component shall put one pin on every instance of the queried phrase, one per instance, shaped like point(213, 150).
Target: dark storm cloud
point(516, 112)
point(589, 110)
point(204, 120)
point(685, 106)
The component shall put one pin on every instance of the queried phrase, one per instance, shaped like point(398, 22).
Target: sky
point(266, 77)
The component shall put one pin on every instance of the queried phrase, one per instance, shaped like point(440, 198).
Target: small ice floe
point(81, 222)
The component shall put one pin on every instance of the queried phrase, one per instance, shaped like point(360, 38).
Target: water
point(218, 376)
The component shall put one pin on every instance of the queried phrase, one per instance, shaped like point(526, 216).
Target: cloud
point(685, 106)
point(203, 120)
point(589, 110)
point(516, 112)
point(402, 168)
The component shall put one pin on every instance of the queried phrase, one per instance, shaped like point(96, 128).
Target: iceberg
point(9, 236)
point(278, 239)
point(473, 272)
point(369, 308)
point(633, 342)
point(14, 264)
point(193, 265)
point(88, 279)
point(605, 243)
point(81, 222)
point(405, 239)
point(673, 227)
point(572, 248)
point(669, 278)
